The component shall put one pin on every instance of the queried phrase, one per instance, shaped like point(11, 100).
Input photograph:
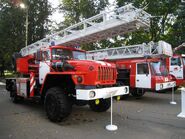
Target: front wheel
point(80, 102)
point(137, 92)
point(124, 97)
point(57, 104)
point(100, 105)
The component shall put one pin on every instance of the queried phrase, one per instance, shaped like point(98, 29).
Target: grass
point(9, 74)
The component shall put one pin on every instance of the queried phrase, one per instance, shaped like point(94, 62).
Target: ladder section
point(102, 26)
point(179, 47)
point(132, 51)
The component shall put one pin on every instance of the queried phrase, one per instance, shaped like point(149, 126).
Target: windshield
point(159, 68)
point(58, 54)
point(79, 55)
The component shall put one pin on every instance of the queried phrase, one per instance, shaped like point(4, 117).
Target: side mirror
point(38, 56)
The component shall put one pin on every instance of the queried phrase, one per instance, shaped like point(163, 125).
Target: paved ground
point(151, 117)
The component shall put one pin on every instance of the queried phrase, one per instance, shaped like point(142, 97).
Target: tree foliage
point(76, 10)
point(38, 11)
point(12, 26)
point(165, 23)
point(176, 35)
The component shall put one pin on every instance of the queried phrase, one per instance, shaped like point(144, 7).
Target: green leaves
point(176, 34)
point(13, 29)
point(167, 23)
point(77, 10)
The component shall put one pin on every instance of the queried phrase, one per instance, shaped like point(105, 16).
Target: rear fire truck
point(142, 66)
point(60, 75)
point(176, 67)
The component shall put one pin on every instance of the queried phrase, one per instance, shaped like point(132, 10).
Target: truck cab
point(144, 74)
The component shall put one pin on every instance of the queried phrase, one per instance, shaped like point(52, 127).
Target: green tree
point(11, 32)
point(176, 34)
point(38, 12)
point(12, 26)
point(162, 12)
point(77, 10)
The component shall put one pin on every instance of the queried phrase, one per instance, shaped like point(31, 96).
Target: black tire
point(14, 97)
point(137, 92)
point(11, 86)
point(103, 105)
point(80, 102)
point(57, 104)
point(124, 97)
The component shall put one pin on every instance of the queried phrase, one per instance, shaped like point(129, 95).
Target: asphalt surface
point(151, 117)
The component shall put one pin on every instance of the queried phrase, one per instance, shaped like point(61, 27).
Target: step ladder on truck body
point(101, 26)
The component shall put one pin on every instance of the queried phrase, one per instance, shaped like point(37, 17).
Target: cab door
point(44, 66)
point(176, 67)
point(143, 75)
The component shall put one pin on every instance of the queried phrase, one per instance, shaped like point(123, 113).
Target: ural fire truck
point(60, 75)
point(142, 66)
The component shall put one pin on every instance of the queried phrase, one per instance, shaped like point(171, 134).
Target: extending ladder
point(132, 51)
point(102, 26)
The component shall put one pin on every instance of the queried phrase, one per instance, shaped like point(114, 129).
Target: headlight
point(125, 90)
point(79, 79)
point(161, 86)
point(92, 94)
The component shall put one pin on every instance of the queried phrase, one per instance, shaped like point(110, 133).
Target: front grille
point(106, 73)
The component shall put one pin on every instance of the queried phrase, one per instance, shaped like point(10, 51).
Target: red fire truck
point(176, 67)
point(142, 67)
point(60, 75)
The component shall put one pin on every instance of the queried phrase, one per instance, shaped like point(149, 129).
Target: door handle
point(137, 80)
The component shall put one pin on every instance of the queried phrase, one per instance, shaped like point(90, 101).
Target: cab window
point(175, 61)
point(45, 55)
point(142, 68)
point(58, 54)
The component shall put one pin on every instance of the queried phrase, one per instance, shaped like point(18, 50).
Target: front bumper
point(167, 85)
point(91, 94)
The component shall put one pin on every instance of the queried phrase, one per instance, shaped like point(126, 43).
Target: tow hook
point(118, 98)
point(97, 101)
